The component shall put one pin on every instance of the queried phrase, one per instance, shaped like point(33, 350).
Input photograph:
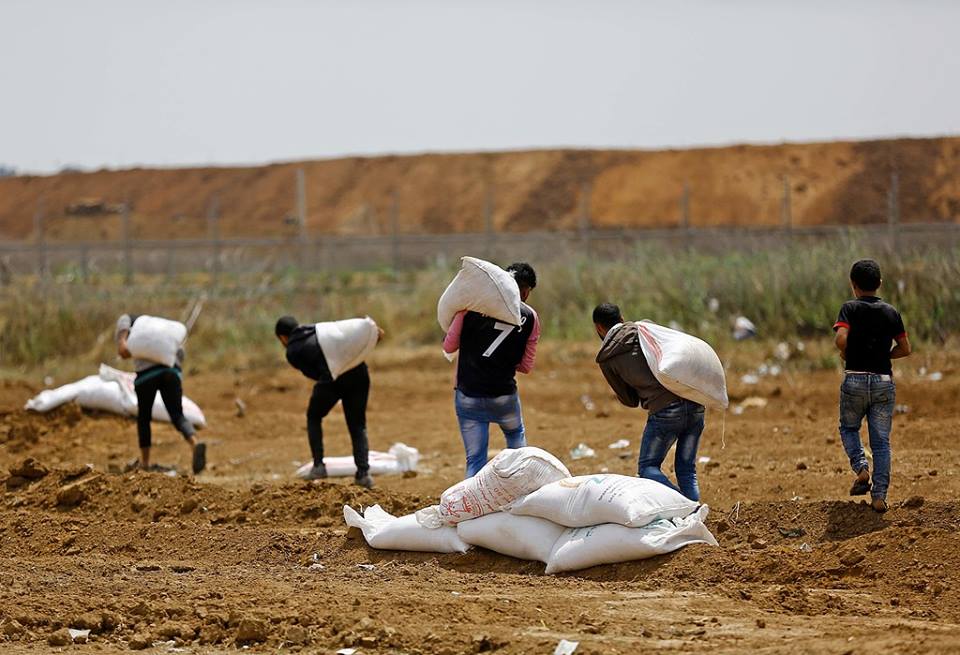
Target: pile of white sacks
point(525, 504)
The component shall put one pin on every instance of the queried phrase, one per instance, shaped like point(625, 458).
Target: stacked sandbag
point(512, 474)
point(156, 339)
point(606, 498)
point(480, 287)
point(387, 532)
point(523, 537)
point(684, 364)
point(346, 344)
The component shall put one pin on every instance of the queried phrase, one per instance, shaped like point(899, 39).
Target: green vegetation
point(787, 292)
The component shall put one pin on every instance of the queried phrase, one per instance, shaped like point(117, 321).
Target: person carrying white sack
point(491, 354)
point(350, 386)
point(671, 419)
point(152, 378)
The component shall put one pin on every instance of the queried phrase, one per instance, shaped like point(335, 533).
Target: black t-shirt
point(873, 325)
point(305, 355)
point(490, 352)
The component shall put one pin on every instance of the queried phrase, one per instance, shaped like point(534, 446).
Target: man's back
point(490, 352)
point(874, 325)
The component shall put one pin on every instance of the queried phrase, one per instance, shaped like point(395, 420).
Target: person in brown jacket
point(672, 419)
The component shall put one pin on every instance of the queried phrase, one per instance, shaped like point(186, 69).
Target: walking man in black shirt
point(352, 387)
point(491, 353)
point(870, 333)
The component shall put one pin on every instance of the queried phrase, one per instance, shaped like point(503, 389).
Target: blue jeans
point(680, 422)
point(475, 416)
point(870, 395)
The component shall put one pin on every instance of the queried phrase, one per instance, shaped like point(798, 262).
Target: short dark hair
point(285, 326)
point(607, 314)
point(866, 275)
point(524, 274)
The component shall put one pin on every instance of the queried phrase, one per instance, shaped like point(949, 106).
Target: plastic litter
point(703, 460)
point(936, 376)
point(78, 634)
point(750, 378)
point(566, 647)
point(582, 451)
point(620, 443)
point(743, 328)
point(588, 403)
point(346, 651)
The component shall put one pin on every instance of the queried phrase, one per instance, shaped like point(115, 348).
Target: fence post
point(395, 229)
point(893, 209)
point(39, 229)
point(302, 220)
point(84, 263)
point(213, 233)
point(685, 212)
point(488, 227)
point(127, 254)
point(585, 224)
point(786, 208)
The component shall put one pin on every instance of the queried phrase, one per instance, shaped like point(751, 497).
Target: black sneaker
point(199, 457)
point(317, 473)
point(364, 481)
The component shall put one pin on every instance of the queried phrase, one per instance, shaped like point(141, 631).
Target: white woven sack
point(684, 364)
point(346, 344)
point(384, 531)
point(399, 459)
point(156, 339)
point(606, 498)
point(480, 287)
point(581, 548)
point(512, 474)
point(523, 537)
point(124, 380)
point(49, 399)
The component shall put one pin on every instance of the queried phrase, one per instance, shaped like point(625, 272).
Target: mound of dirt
point(831, 183)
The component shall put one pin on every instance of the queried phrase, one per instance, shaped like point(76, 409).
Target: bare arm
point(841, 341)
point(902, 349)
point(122, 349)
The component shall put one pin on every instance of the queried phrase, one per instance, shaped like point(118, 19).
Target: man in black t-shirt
point(490, 354)
point(352, 388)
point(870, 334)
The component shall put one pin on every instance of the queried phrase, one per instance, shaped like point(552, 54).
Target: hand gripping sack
point(346, 344)
point(581, 548)
point(384, 531)
point(523, 537)
point(512, 474)
point(606, 498)
point(480, 287)
point(156, 339)
point(684, 364)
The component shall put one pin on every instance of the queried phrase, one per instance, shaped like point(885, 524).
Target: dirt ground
point(245, 555)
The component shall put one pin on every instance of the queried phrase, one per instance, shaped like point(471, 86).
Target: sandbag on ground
point(512, 474)
point(684, 364)
point(347, 343)
point(581, 548)
point(156, 339)
point(399, 459)
point(480, 287)
point(523, 537)
point(384, 531)
point(110, 391)
point(606, 498)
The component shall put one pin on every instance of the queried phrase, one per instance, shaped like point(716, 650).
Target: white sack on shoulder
point(684, 364)
point(512, 474)
point(399, 459)
point(581, 548)
point(384, 531)
point(480, 287)
point(346, 344)
point(607, 498)
point(156, 339)
point(523, 537)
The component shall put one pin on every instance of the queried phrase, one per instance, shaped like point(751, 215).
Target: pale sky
point(119, 83)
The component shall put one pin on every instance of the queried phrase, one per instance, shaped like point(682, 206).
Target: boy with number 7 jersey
point(491, 352)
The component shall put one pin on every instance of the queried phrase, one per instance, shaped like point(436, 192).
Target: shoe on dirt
point(199, 457)
point(317, 473)
point(879, 505)
point(861, 486)
point(364, 481)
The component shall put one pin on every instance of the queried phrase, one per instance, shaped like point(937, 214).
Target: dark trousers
point(167, 381)
point(353, 389)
